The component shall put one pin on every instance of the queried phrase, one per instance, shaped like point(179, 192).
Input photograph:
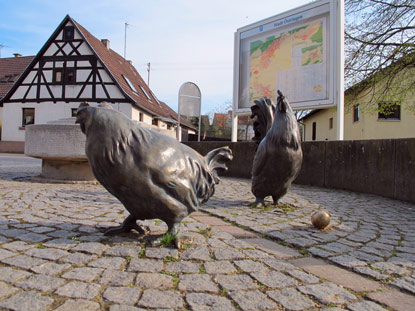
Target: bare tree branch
point(380, 33)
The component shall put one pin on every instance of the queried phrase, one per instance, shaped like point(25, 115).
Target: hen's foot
point(183, 241)
point(174, 232)
point(128, 224)
point(276, 200)
point(259, 202)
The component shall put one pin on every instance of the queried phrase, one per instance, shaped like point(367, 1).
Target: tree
point(379, 47)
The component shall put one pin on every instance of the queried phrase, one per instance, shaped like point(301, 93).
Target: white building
point(72, 67)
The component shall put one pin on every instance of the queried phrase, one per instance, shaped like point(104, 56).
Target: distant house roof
point(245, 120)
point(124, 73)
point(220, 119)
point(242, 119)
point(10, 70)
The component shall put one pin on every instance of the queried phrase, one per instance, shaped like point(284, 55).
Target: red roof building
point(72, 67)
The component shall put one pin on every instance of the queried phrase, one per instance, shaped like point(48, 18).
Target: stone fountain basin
point(61, 146)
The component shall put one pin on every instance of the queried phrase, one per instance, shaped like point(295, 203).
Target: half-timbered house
point(72, 67)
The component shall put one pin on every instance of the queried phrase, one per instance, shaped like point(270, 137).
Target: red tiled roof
point(10, 70)
point(245, 120)
point(220, 119)
point(242, 119)
point(119, 67)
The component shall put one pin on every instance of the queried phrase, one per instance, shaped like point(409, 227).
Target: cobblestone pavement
point(53, 255)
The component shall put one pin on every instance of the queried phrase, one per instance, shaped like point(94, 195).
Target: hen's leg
point(173, 229)
point(259, 202)
point(275, 199)
point(128, 224)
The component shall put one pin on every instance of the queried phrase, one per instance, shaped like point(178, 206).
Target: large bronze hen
point(152, 174)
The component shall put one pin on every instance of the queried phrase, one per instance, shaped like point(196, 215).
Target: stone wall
point(380, 167)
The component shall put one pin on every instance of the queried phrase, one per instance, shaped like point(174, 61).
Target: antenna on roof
point(148, 76)
point(125, 39)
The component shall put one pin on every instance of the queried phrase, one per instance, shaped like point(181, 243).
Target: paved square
point(54, 255)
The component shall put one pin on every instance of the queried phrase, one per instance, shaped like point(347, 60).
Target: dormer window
point(130, 84)
point(145, 93)
point(68, 33)
point(154, 96)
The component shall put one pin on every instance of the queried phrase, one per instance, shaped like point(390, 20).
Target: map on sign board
point(290, 61)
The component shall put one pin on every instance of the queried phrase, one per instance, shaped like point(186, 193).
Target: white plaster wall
point(135, 112)
point(147, 122)
point(48, 111)
point(11, 120)
point(125, 108)
point(44, 112)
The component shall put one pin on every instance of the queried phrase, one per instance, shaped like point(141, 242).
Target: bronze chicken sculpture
point(278, 158)
point(152, 174)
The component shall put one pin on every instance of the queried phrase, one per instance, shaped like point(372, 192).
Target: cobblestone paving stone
point(54, 256)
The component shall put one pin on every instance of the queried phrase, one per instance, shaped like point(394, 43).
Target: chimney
point(106, 43)
point(17, 55)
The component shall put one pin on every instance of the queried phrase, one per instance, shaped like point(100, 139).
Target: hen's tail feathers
point(217, 160)
point(263, 114)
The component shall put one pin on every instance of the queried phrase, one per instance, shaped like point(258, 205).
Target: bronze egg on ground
point(320, 219)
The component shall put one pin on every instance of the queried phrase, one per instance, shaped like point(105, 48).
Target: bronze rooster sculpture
point(278, 158)
point(152, 174)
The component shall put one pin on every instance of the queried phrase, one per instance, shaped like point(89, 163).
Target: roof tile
point(10, 70)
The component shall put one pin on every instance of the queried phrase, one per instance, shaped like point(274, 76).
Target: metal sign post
point(340, 69)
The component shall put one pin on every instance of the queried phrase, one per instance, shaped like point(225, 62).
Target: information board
point(294, 52)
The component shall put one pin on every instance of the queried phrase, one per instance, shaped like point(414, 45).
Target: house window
point(141, 117)
point(70, 75)
point(330, 123)
point(68, 33)
point(28, 116)
point(155, 122)
point(57, 75)
point(154, 96)
point(74, 112)
point(314, 133)
point(130, 84)
point(169, 127)
point(389, 111)
point(356, 113)
point(145, 93)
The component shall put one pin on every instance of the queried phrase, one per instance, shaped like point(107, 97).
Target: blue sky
point(184, 40)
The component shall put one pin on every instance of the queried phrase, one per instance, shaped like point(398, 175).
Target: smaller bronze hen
point(278, 159)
